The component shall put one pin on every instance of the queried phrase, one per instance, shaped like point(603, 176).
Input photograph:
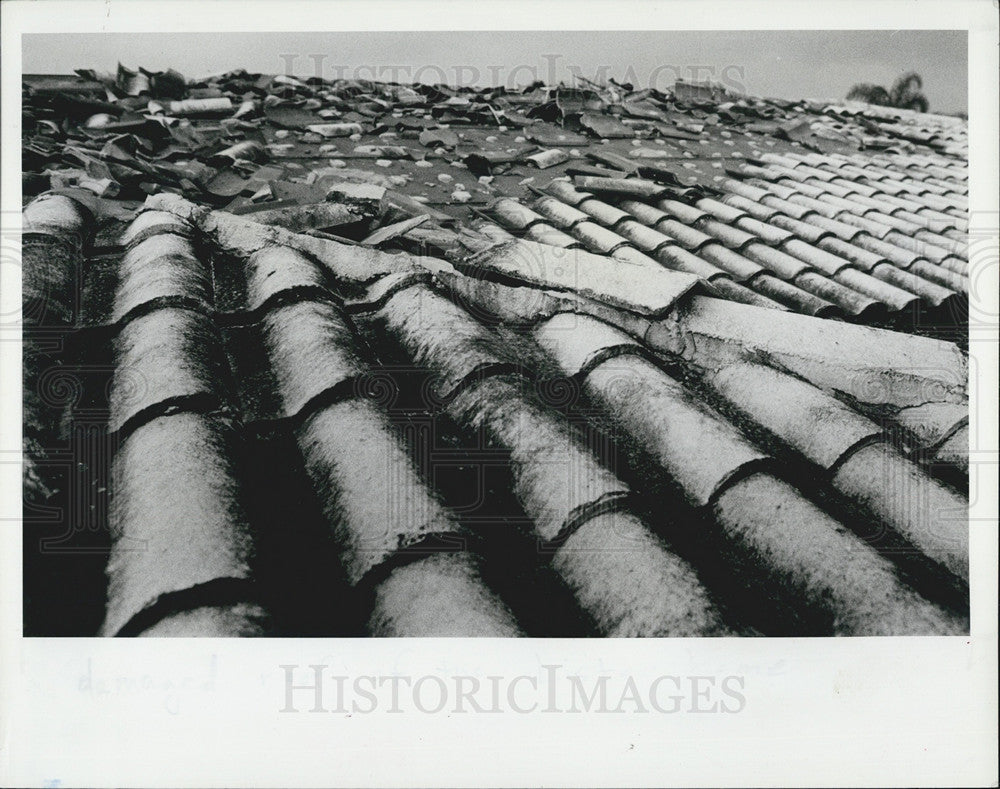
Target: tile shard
point(194, 107)
point(623, 187)
point(296, 219)
point(548, 158)
point(605, 126)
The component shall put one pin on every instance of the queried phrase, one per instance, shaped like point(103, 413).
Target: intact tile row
point(816, 234)
point(738, 255)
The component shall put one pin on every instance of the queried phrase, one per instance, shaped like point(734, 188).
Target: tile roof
point(778, 239)
point(629, 398)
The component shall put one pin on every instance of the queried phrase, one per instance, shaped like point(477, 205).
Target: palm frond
point(905, 93)
point(869, 93)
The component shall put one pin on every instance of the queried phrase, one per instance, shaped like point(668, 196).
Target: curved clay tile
point(162, 266)
point(166, 357)
point(163, 543)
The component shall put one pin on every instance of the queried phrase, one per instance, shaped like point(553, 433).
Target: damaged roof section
point(310, 435)
point(338, 357)
point(237, 140)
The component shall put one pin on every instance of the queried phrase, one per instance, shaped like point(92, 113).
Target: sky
point(778, 63)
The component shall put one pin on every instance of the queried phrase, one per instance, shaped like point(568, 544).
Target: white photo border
point(816, 712)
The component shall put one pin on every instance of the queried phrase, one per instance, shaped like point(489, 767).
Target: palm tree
point(905, 93)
